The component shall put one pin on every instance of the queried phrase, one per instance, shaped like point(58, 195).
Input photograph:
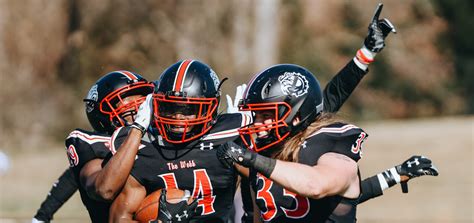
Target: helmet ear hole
point(296, 120)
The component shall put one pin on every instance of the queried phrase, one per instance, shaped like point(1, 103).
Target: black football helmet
point(186, 88)
point(289, 91)
point(105, 105)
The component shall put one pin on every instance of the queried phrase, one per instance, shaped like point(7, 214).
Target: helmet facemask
point(261, 136)
point(120, 105)
point(181, 119)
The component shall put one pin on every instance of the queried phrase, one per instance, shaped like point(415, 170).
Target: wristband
point(388, 178)
point(364, 56)
point(263, 165)
point(139, 127)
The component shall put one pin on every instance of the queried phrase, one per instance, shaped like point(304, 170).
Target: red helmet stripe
point(181, 74)
point(128, 74)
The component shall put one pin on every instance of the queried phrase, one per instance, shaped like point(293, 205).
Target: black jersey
point(278, 204)
point(82, 147)
point(193, 167)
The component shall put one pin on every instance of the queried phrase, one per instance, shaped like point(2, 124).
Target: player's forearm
point(61, 191)
point(127, 202)
point(120, 210)
point(338, 90)
point(370, 188)
point(115, 173)
point(118, 215)
point(301, 179)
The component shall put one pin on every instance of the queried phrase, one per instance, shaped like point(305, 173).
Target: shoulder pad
point(340, 138)
point(83, 146)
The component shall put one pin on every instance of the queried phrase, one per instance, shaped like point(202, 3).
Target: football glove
point(144, 114)
point(178, 212)
point(378, 31)
point(230, 153)
point(375, 40)
point(417, 166)
point(233, 106)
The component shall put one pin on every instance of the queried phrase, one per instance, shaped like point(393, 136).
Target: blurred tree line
point(53, 51)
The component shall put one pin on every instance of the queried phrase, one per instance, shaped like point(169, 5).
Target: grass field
point(449, 142)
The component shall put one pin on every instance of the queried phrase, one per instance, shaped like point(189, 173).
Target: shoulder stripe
point(90, 139)
point(222, 134)
point(112, 140)
point(246, 120)
point(341, 129)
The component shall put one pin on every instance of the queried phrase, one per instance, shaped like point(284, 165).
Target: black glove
point(378, 30)
point(230, 153)
point(179, 212)
point(417, 166)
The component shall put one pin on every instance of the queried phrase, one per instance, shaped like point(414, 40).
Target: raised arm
point(105, 183)
point(338, 90)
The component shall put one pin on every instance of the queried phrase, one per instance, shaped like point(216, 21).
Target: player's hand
point(230, 153)
point(417, 166)
point(182, 211)
point(144, 114)
point(233, 106)
point(378, 31)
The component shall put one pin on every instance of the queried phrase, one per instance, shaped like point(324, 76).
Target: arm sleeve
point(370, 188)
point(61, 191)
point(341, 86)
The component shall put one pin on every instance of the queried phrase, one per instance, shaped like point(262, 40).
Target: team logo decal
point(92, 96)
point(293, 83)
point(215, 78)
point(73, 157)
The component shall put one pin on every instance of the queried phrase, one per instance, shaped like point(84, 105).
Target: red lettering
point(267, 197)
point(357, 146)
point(170, 180)
point(203, 191)
point(302, 205)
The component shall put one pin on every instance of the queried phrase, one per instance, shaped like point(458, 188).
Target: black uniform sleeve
point(341, 86)
point(339, 138)
point(370, 188)
point(61, 191)
point(82, 147)
point(350, 143)
point(246, 200)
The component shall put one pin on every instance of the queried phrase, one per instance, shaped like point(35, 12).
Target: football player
point(303, 161)
point(112, 102)
point(180, 151)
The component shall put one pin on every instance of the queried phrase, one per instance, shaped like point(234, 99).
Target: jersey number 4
point(202, 189)
point(302, 203)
